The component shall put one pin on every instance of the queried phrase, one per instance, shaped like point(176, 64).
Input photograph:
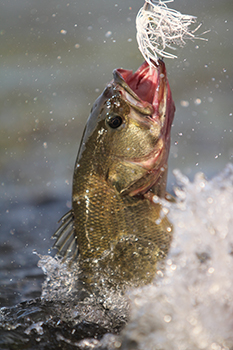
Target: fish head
point(127, 136)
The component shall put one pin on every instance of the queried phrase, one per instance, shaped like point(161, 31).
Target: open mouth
point(147, 86)
point(148, 91)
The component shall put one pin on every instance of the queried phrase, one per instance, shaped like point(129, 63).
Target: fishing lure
point(160, 28)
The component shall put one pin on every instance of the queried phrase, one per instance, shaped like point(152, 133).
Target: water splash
point(106, 307)
point(191, 306)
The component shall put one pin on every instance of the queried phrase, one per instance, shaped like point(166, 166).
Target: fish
point(115, 229)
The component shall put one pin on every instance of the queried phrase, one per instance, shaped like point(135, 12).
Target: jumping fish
point(114, 225)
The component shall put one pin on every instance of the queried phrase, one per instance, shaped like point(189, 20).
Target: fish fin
point(65, 238)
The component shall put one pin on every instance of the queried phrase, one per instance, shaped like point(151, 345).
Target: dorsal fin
point(66, 238)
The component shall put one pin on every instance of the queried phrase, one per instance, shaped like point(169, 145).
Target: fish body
point(114, 225)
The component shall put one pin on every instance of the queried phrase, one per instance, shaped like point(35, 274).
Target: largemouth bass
point(114, 225)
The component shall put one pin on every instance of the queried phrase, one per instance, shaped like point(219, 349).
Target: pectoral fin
point(65, 237)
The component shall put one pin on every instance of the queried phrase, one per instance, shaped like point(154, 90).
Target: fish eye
point(115, 121)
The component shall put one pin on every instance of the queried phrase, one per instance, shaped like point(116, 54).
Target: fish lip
point(144, 90)
point(130, 96)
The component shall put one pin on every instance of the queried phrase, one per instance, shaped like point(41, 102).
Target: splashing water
point(191, 305)
point(160, 28)
point(107, 307)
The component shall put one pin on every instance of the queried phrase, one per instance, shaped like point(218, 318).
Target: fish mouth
point(146, 89)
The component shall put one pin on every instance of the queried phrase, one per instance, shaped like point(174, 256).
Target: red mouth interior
point(143, 82)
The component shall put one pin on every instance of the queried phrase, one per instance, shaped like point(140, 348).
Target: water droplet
point(184, 103)
point(108, 34)
point(167, 318)
point(197, 101)
point(117, 344)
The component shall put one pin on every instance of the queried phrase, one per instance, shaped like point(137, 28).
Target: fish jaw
point(150, 85)
point(151, 95)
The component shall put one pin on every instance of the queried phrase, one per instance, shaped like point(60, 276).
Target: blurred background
point(55, 59)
